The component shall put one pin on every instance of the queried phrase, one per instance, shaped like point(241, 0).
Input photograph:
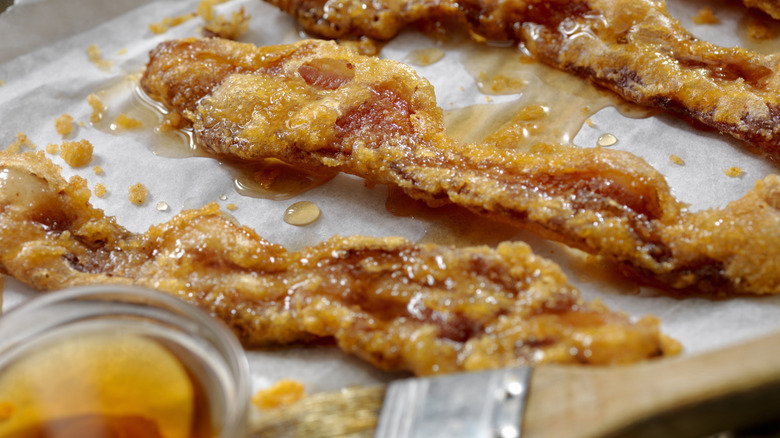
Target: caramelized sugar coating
point(400, 306)
point(633, 47)
point(313, 104)
point(771, 7)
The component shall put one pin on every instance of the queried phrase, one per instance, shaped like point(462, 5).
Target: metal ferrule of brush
point(487, 404)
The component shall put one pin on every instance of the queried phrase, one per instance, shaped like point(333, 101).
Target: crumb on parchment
point(282, 393)
point(53, 148)
point(231, 207)
point(21, 141)
point(100, 190)
point(95, 57)
point(169, 22)
point(123, 121)
point(705, 16)
point(676, 160)
point(137, 193)
point(98, 170)
point(76, 153)
point(206, 8)
point(97, 108)
point(734, 172)
point(64, 125)
point(215, 25)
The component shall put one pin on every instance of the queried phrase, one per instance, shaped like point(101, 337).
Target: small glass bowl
point(212, 357)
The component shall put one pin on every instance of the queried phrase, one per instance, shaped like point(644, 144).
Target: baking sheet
point(46, 72)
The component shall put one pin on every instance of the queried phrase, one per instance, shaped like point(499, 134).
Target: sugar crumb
point(20, 142)
point(531, 113)
point(123, 121)
point(231, 207)
point(100, 190)
point(282, 393)
point(676, 160)
point(97, 108)
point(705, 16)
point(590, 123)
point(95, 57)
point(169, 22)
point(206, 8)
point(98, 170)
point(137, 193)
point(76, 153)
point(2, 82)
point(122, 52)
point(502, 84)
point(734, 172)
point(64, 125)
point(53, 148)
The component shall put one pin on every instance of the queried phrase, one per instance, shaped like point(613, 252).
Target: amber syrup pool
point(111, 383)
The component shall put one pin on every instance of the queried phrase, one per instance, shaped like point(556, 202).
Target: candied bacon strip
point(381, 123)
point(400, 306)
point(633, 47)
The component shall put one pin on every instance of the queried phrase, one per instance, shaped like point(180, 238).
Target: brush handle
point(683, 396)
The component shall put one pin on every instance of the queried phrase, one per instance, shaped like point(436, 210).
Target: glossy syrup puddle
point(424, 57)
point(125, 97)
point(267, 179)
point(551, 107)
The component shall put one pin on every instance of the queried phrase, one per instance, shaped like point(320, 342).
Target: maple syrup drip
point(302, 213)
point(425, 57)
point(607, 140)
point(276, 180)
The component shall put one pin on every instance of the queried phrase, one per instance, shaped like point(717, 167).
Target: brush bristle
point(352, 412)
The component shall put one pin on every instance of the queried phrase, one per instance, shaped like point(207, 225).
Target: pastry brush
point(684, 396)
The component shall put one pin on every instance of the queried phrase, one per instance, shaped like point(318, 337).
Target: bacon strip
point(313, 104)
point(400, 306)
point(633, 47)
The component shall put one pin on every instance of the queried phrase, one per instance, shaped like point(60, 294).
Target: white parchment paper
point(46, 72)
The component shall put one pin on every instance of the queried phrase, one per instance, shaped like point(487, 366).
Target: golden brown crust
point(313, 104)
point(771, 7)
point(423, 308)
point(633, 47)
